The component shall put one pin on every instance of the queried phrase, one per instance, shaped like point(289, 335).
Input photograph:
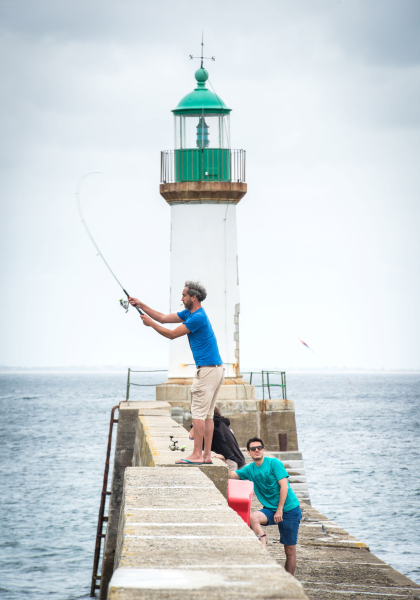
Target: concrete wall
point(143, 440)
point(263, 418)
point(175, 537)
point(179, 540)
point(124, 447)
point(175, 390)
point(151, 448)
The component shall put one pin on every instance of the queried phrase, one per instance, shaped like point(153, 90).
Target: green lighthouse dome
point(201, 99)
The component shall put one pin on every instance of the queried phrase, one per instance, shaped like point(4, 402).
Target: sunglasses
point(253, 448)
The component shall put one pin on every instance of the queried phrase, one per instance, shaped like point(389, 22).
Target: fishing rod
point(124, 303)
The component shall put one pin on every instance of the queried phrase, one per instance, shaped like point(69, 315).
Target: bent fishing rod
point(124, 303)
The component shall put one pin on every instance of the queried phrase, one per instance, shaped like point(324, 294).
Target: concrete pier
point(171, 534)
point(333, 565)
point(143, 440)
point(265, 418)
point(178, 539)
point(123, 458)
point(151, 448)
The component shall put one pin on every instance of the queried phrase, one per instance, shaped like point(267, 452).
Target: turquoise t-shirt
point(201, 337)
point(266, 483)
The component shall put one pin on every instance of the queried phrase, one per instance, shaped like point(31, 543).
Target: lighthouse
point(203, 180)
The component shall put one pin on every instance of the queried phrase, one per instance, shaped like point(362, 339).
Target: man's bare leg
point(197, 453)
point(208, 438)
point(290, 564)
point(257, 519)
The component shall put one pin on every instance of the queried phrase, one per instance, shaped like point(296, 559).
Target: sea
point(359, 434)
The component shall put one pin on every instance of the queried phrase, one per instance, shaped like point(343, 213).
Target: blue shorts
point(289, 527)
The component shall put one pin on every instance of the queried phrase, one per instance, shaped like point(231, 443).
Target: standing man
point(210, 371)
point(280, 505)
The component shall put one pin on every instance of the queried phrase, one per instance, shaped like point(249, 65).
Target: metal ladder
point(101, 518)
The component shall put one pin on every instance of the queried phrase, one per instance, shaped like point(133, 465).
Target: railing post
point(262, 382)
point(268, 384)
point(213, 161)
point(127, 395)
point(238, 162)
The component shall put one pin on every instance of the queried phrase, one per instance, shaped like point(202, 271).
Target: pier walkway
point(333, 565)
point(171, 534)
point(179, 540)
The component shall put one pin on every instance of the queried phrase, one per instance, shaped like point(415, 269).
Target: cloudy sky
point(325, 98)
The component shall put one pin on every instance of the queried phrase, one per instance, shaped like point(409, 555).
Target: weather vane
point(202, 52)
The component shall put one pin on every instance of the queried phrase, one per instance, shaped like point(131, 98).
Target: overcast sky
point(325, 99)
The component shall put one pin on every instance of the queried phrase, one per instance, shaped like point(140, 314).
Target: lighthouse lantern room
point(202, 135)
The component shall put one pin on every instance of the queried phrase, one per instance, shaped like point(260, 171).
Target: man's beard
point(188, 304)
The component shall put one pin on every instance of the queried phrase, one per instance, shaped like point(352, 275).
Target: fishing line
point(123, 303)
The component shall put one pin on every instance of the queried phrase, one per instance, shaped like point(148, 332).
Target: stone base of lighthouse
point(180, 389)
point(248, 417)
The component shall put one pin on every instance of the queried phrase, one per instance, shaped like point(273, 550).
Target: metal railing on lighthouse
point(208, 164)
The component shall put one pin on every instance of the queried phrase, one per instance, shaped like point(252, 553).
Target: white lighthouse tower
point(203, 180)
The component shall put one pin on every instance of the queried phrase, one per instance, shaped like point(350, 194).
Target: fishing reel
point(173, 445)
point(125, 304)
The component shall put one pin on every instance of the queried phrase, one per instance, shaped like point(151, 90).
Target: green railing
point(265, 380)
point(206, 164)
point(129, 382)
point(266, 383)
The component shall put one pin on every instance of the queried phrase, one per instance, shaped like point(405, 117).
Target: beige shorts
point(204, 390)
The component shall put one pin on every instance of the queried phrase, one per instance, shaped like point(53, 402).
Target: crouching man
point(280, 504)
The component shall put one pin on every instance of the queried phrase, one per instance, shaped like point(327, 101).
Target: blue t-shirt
point(202, 340)
point(267, 488)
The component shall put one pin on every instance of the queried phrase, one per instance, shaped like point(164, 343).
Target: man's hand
point(219, 456)
point(278, 516)
point(133, 301)
point(146, 320)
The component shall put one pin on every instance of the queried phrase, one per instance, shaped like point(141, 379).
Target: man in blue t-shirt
point(210, 372)
point(280, 505)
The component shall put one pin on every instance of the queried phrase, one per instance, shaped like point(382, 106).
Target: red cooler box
point(240, 497)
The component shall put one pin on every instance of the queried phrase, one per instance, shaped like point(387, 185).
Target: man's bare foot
point(193, 458)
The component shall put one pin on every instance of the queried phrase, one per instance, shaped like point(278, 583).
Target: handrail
point(265, 376)
point(101, 518)
point(129, 382)
point(150, 371)
point(269, 385)
point(193, 364)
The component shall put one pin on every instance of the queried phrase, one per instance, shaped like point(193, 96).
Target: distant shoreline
point(123, 370)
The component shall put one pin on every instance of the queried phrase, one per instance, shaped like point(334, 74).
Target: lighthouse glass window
point(202, 130)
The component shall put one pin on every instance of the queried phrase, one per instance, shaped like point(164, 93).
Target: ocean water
point(359, 435)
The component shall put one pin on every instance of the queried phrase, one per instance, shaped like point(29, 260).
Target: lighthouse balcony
point(202, 164)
